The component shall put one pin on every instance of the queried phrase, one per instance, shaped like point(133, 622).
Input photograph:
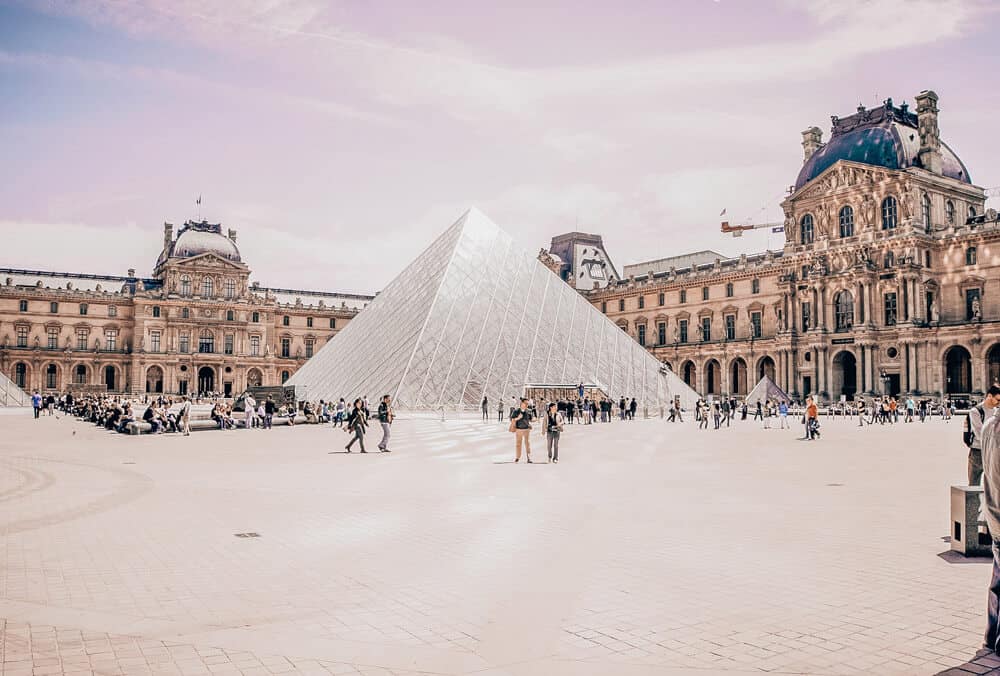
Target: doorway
point(206, 380)
point(845, 375)
point(109, 378)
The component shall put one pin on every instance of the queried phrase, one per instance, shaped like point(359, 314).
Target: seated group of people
point(222, 414)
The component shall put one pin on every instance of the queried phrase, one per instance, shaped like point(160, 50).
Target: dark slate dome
point(883, 137)
point(195, 239)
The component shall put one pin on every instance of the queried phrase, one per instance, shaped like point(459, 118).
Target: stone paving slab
point(651, 548)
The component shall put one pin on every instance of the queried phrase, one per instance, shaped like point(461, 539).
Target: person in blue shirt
point(783, 414)
point(36, 403)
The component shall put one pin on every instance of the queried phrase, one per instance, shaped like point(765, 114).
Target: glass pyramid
point(477, 315)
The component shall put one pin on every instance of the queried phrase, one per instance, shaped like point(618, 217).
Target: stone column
point(862, 368)
point(871, 304)
point(820, 372)
point(905, 362)
point(822, 302)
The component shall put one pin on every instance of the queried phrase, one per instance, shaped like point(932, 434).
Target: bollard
point(965, 536)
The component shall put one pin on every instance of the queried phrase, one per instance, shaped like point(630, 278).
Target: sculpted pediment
point(209, 261)
point(840, 175)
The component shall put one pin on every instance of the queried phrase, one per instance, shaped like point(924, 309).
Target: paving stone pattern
point(651, 548)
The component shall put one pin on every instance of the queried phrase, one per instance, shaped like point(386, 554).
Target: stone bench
point(198, 424)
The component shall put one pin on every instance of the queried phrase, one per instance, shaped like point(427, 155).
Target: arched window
point(807, 230)
point(80, 375)
point(889, 213)
point(207, 288)
point(972, 212)
point(21, 375)
point(185, 313)
point(889, 260)
point(925, 211)
point(185, 286)
point(844, 309)
point(206, 342)
point(949, 212)
point(230, 288)
point(846, 221)
point(285, 375)
point(51, 374)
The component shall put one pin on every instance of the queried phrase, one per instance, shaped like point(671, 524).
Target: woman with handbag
point(356, 423)
point(520, 425)
point(552, 427)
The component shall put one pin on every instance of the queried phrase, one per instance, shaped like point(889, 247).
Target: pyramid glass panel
point(477, 315)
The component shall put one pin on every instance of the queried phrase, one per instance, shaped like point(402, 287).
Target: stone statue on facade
point(934, 311)
point(677, 334)
point(976, 309)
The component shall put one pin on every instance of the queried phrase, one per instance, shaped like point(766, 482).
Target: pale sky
point(340, 138)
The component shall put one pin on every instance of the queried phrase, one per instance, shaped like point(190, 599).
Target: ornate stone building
point(889, 280)
point(196, 325)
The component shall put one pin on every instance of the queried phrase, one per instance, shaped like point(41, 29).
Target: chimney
point(930, 134)
point(812, 140)
point(168, 234)
point(232, 235)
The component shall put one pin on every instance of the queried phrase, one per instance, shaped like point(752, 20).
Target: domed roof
point(883, 137)
point(196, 239)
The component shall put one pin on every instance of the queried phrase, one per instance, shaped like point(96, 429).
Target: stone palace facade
point(889, 280)
point(196, 325)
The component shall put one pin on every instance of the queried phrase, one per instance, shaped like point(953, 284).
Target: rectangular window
point(83, 308)
point(309, 347)
point(604, 307)
point(970, 256)
point(81, 339)
point(206, 343)
point(889, 300)
point(22, 305)
point(53, 339)
point(185, 343)
point(704, 293)
point(642, 302)
point(805, 271)
point(730, 327)
point(254, 346)
point(185, 313)
point(333, 320)
point(806, 316)
point(227, 345)
point(230, 316)
point(22, 336)
point(156, 310)
point(54, 308)
point(755, 325)
point(755, 286)
point(972, 303)
point(683, 324)
point(112, 310)
point(706, 329)
point(110, 340)
point(285, 321)
point(729, 290)
point(309, 322)
point(641, 334)
point(286, 347)
point(684, 296)
point(621, 305)
point(662, 298)
point(661, 333)
point(255, 317)
point(154, 341)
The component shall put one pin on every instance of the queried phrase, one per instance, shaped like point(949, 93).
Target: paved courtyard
point(650, 549)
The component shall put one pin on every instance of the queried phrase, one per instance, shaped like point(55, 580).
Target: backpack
point(969, 436)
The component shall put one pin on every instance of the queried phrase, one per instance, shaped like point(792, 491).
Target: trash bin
point(966, 537)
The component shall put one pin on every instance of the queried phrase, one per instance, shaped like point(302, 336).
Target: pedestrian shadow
point(957, 558)
point(985, 663)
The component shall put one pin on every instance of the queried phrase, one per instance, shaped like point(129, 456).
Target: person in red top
point(812, 419)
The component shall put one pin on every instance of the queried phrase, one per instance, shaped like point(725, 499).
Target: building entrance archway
point(713, 377)
point(206, 380)
point(993, 365)
point(154, 380)
point(738, 377)
point(844, 375)
point(110, 378)
point(765, 367)
point(689, 372)
point(958, 370)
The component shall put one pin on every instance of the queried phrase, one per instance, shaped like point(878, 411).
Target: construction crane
point(737, 230)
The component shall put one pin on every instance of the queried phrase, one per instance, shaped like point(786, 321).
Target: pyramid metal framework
point(476, 315)
point(11, 394)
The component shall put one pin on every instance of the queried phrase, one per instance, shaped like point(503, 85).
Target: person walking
point(633, 406)
point(500, 411)
point(973, 435)
point(990, 467)
point(552, 427)
point(36, 403)
point(812, 419)
point(486, 407)
point(520, 425)
point(357, 421)
point(717, 414)
point(249, 408)
point(185, 416)
point(783, 414)
point(726, 411)
point(759, 412)
point(269, 409)
point(385, 416)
